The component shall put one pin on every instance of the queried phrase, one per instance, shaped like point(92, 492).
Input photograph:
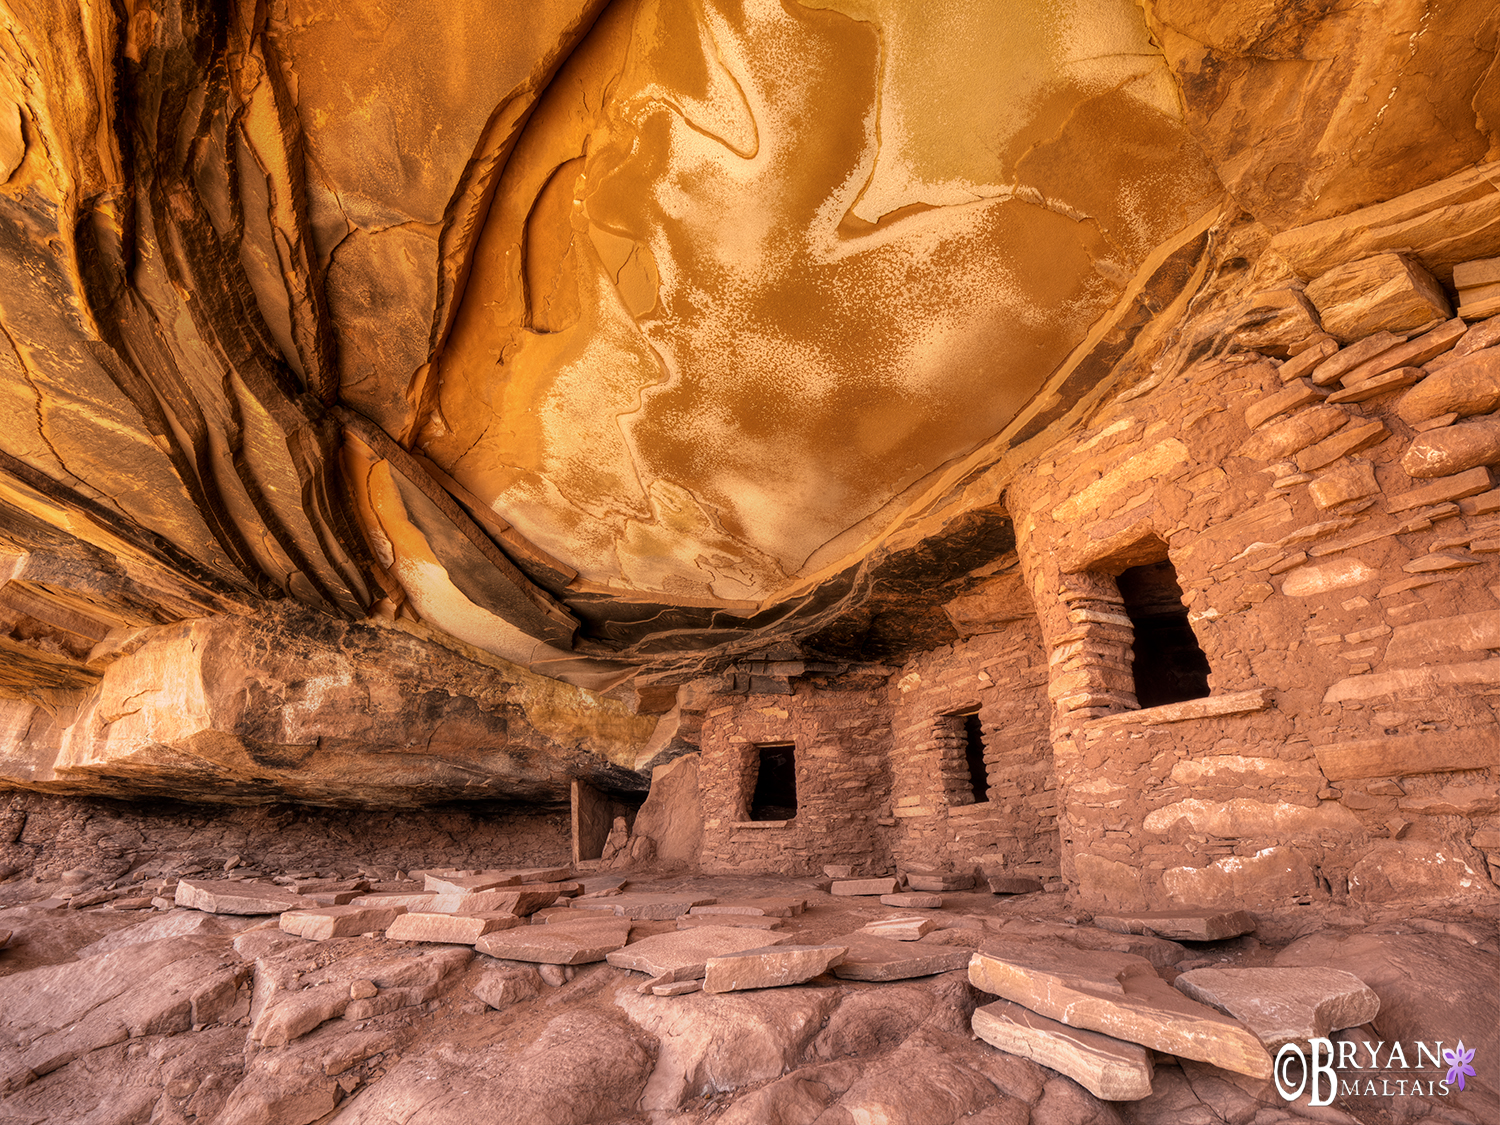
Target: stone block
point(1106, 1067)
point(454, 929)
point(1471, 275)
point(676, 988)
point(1270, 877)
point(1351, 439)
point(1278, 321)
point(850, 887)
point(1341, 485)
point(1181, 925)
point(1453, 449)
point(520, 901)
point(1291, 397)
point(1466, 386)
point(1284, 438)
point(929, 881)
point(1418, 871)
point(418, 901)
point(920, 900)
point(557, 945)
point(1385, 292)
point(1119, 995)
point(1413, 353)
point(880, 959)
point(740, 921)
point(1468, 483)
point(765, 907)
point(231, 897)
point(500, 988)
point(771, 967)
point(1386, 383)
point(1310, 581)
point(339, 921)
point(469, 884)
point(683, 955)
point(899, 929)
point(1284, 1005)
point(1333, 369)
point(644, 907)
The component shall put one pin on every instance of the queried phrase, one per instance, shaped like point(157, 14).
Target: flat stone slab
point(645, 908)
point(900, 929)
point(1106, 1067)
point(557, 945)
point(414, 900)
point(452, 929)
point(684, 954)
point(1181, 925)
point(1120, 995)
point(469, 884)
point(215, 896)
point(601, 884)
point(676, 988)
point(339, 921)
point(913, 900)
point(765, 907)
point(1013, 884)
point(541, 874)
point(1284, 1005)
point(333, 898)
point(520, 901)
point(770, 967)
point(738, 921)
point(864, 886)
point(920, 882)
point(877, 959)
point(336, 886)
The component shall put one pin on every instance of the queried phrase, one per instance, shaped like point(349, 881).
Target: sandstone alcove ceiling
point(631, 342)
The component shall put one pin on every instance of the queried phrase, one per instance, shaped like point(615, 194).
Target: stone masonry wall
point(1335, 528)
point(843, 745)
point(939, 824)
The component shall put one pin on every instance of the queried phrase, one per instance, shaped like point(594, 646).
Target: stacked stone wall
point(939, 824)
point(842, 743)
point(1344, 583)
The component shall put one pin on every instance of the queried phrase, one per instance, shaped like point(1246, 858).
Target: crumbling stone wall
point(1332, 519)
point(843, 749)
point(938, 822)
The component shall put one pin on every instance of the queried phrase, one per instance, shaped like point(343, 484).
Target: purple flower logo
point(1458, 1063)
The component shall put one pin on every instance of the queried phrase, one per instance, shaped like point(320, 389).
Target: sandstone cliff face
point(623, 341)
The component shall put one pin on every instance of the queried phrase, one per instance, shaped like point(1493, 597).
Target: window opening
point(979, 779)
point(1170, 666)
point(775, 783)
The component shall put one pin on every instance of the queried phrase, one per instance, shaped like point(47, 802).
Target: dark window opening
point(979, 778)
point(775, 784)
point(1169, 663)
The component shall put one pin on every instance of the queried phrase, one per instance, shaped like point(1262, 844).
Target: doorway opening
point(775, 795)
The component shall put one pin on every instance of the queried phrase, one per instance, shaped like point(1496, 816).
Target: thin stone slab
point(918, 900)
point(738, 921)
point(676, 988)
point(1284, 1005)
point(601, 885)
point(452, 929)
point(469, 884)
point(847, 887)
point(1013, 884)
point(339, 921)
point(215, 896)
point(770, 967)
point(900, 929)
point(879, 959)
point(332, 898)
point(927, 882)
point(646, 908)
point(684, 954)
point(766, 907)
point(414, 900)
point(557, 945)
point(321, 886)
point(4, 938)
point(541, 874)
point(1120, 995)
point(519, 901)
point(1181, 925)
point(1106, 1067)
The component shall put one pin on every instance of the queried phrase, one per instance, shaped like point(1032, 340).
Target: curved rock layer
point(636, 341)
